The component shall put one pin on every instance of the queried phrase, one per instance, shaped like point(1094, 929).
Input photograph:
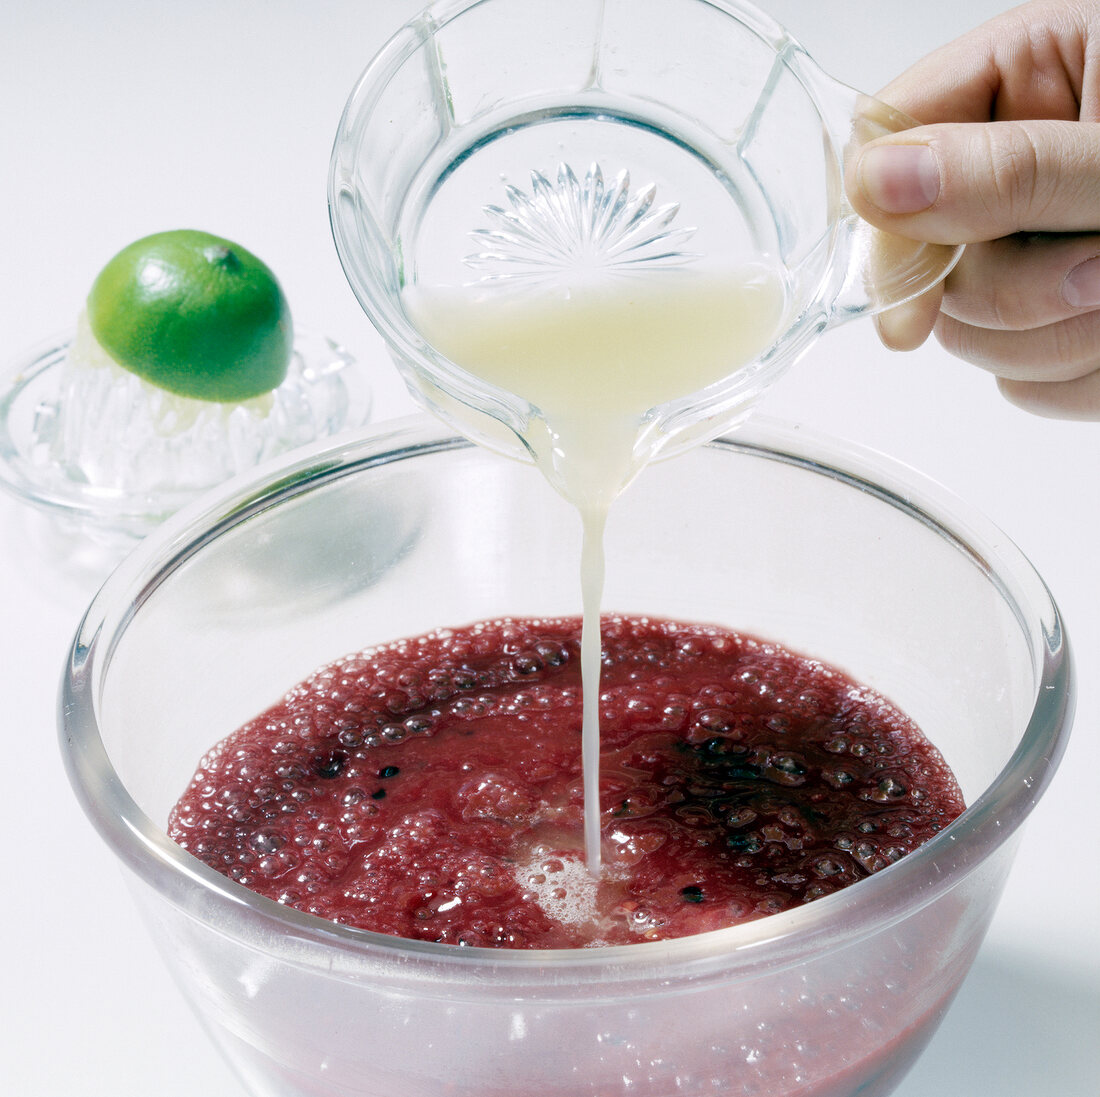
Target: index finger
point(1027, 63)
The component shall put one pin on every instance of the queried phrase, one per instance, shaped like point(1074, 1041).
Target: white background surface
point(123, 117)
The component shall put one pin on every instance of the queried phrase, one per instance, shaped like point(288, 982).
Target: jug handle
point(878, 270)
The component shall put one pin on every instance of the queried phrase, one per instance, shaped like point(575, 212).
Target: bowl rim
point(777, 940)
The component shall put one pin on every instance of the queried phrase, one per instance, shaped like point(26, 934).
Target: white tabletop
point(119, 118)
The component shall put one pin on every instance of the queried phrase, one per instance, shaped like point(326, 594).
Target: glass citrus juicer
point(618, 220)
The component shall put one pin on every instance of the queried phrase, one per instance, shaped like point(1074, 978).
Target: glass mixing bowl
point(833, 551)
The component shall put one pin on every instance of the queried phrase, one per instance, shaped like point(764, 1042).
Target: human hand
point(1021, 190)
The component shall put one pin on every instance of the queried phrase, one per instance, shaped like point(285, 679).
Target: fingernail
point(1081, 289)
point(900, 178)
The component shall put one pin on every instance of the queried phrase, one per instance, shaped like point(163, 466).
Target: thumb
point(964, 182)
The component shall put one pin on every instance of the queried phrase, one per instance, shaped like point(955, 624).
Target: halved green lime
point(194, 314)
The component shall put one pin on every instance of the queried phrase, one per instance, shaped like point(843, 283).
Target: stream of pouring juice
point(592, 356)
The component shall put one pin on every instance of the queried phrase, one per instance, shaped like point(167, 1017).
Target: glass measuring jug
point(613, 220)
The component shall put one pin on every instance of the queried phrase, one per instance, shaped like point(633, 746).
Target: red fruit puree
point(432, 789)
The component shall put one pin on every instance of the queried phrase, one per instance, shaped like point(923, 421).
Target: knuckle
point(1074, 346)
point(957, 338)
point(1009, 309)
point(984, 289)
point(1016, 298)
point(1013, 158)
